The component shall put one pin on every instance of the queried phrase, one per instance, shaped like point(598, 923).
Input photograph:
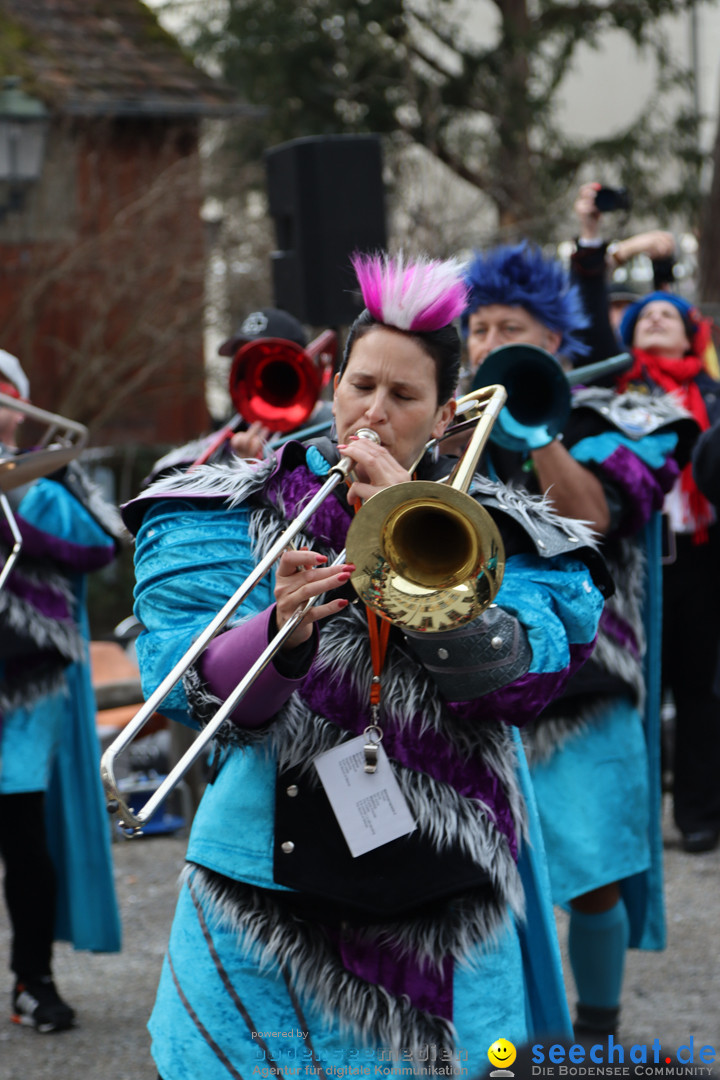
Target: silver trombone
point(390, 577)
point(16, 537)
point(133, 822)
point(18, 469)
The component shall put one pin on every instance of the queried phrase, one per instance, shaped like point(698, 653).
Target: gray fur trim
point(27, 694)
point(629, 573)
point(537, 514)
point(79, 484)
point(366, 1011)
point(444, 817)
point(234, 480)
point(542, 739)
point(47, 633)
point(203, 705)
point(39, 573)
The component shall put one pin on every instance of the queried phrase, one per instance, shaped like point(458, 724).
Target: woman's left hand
point(375, 469)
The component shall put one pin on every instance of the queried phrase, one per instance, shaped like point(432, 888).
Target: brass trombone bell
point(428, 563)
point(428, 557)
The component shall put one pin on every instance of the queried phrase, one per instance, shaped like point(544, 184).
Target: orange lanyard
point(379, 629)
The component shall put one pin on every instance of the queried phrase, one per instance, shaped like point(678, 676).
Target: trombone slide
point(17, 538)
point(132, 823)
point(115, 803)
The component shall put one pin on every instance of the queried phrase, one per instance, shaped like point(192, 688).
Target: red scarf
point(677, 376)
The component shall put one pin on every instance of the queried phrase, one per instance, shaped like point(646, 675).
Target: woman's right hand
point(300, 576)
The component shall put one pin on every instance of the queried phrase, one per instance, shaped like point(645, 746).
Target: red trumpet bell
point(278, 383)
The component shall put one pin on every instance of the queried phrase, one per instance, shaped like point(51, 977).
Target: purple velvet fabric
point(331, 520)
point(382, 965)
point(235, 652)
point(642, 485)
point(525, 698)
point(39, 544)
point(668, 474)
point(48, 602)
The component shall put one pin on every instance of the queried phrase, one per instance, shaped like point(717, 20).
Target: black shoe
point(593, 1020)
point(702, 840)
point(37, 1003)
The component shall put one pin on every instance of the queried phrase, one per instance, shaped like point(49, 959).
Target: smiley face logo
point(502, 1053)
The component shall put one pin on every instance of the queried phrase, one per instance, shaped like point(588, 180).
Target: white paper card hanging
point(369, 807)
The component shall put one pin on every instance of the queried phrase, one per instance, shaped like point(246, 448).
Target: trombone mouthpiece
point(368, 433)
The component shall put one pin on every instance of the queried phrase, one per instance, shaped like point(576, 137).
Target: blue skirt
point(29, 742)
point(219, 1012)
point(593, 798)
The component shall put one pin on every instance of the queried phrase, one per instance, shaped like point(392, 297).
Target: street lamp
point(23, 133)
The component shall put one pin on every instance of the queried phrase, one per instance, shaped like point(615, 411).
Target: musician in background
point(54, 839)
point(671, 344)
point(414, 952)
point(594, 755)
point(265, 323)
point(249, 440)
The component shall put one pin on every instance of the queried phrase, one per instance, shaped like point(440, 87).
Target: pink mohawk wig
point(422, 295)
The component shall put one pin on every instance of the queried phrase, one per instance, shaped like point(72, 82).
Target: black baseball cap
point(265, 323)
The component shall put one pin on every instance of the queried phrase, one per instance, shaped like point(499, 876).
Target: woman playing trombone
point(289, 947)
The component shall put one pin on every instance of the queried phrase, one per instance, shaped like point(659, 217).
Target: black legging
point(691, 640)
point(30, 890)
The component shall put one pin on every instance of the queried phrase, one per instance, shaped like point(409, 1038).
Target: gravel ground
point(670, 995)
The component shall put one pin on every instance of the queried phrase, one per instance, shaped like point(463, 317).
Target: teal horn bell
point(538, 392)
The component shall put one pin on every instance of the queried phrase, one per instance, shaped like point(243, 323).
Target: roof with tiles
point(105, 57)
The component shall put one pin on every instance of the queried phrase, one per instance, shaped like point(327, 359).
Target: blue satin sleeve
point(653, 450)
point(189, 560)
point(557, 604)
point(54, 522)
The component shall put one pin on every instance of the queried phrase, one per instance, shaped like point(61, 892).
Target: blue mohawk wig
point(520, 275)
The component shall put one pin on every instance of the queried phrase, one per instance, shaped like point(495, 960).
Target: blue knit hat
point(690, 315)
point(520, 275)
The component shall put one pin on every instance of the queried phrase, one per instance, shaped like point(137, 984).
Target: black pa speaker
point(327, 199)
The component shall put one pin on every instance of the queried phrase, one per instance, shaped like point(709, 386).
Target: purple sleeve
point(230, 655)
point(644, 488)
